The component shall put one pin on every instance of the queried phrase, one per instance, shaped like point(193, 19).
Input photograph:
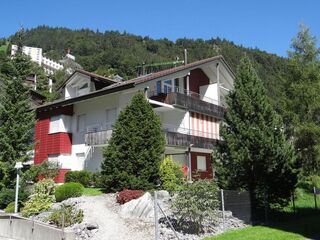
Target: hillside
point(113, 52)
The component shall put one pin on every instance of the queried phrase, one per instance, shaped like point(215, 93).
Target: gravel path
point(104, 211)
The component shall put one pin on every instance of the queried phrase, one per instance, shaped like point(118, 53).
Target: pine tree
point(303, 100)
point(134, 153)
point(255, 154)
point(16, 119)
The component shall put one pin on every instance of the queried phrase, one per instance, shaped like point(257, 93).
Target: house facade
point(189, 100)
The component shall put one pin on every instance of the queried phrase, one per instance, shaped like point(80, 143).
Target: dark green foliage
point(83, 177)
point(97, 180)
point(303, 101)
point(8, 195)
point(17, 121)
point(255, 155)
point(112, 52)
point(195, 203)
point(66, 216)
point(68, 190)
point(132, 158)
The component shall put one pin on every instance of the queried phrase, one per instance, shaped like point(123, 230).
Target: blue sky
point(268, 24)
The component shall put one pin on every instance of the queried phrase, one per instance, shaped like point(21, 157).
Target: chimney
point(185, 56)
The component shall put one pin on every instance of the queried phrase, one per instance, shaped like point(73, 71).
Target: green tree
point(303, 100)
point(255, 154)
point(134, 153)
point(16, 118)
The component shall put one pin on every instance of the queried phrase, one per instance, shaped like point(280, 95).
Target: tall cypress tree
point(132, 158)
point(16, 118)
point(255, 154)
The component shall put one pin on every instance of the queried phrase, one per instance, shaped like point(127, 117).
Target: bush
point(45, 170)
point(9, 208)
point(6, 196)
point(171, 175)
point(42, 198)
point(195, 203)
point(83, 177)
point(69, 190)
point(127, 195)
point(97, 180)
point(309, 182)
point(66, 216)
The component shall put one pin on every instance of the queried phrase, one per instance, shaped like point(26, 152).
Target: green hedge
point(83, 177)
point(68, 190)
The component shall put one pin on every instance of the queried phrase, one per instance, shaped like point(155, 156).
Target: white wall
point(209, 91)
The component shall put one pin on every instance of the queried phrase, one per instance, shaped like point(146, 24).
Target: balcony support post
point(218, 81)
point(189, 163)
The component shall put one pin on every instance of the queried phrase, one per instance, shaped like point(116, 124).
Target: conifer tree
point(255, 154)
point(303, 100)
point(16, 119)
point(134, 153)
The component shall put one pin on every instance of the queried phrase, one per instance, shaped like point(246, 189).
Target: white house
point(189, 100)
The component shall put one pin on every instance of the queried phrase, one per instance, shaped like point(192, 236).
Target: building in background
point(189, 100)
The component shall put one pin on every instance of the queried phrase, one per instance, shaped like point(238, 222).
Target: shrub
point(127, 195)
point(6, 196)
point(45, 170)
point(83, 177)
point(41, 199)
point(309, 182)
point(68, 190)
point(195, 203)
point(171, 174)
point(66, 216)
point(97, 180)
point(9, 208)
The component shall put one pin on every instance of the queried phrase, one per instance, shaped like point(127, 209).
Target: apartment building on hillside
point(189, 100)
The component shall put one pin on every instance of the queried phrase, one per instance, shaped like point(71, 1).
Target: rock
point(139, 208)
point(92, 226)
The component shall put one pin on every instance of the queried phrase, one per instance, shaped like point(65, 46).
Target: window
point(81, 123)
point(54, 124)
point(167, 86)
point(60, 123)
point(201, 163)
point(158, 87)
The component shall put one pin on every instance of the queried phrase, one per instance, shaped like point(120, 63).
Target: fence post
point(222, 206)
point(315, 198)
point(156, 222)
point(293, 203)
point(62, 227)
point(265, 207)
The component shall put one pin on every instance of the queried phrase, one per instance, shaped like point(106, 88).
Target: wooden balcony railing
point(97, 138)
point(191, 101)
point(180, 139)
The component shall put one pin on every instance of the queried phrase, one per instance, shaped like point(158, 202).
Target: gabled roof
point(97, 77)
point(118, 86)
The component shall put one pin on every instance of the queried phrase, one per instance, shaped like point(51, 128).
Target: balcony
point(98, 135)
point(191, 101)
point(186, 137)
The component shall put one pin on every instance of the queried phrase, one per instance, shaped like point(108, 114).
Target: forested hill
point(113, 52)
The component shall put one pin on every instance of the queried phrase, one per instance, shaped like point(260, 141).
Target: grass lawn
point(257, 233)
point(305, 223)
point(92, 191)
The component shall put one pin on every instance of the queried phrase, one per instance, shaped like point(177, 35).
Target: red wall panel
point(46, 143)
point(197, 78)
point(60, 177)
point(201, 174)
